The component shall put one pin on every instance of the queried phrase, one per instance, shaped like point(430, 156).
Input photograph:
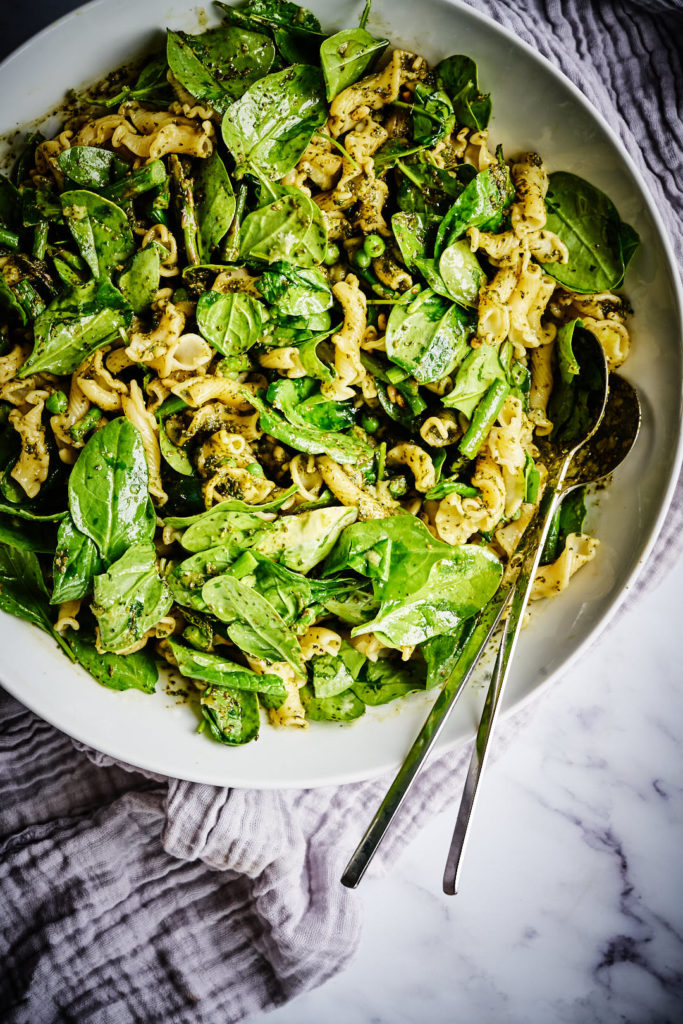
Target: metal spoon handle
point(426, 738)
point(521, 589)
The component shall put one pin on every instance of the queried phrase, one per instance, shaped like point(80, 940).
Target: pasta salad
point(279, 331)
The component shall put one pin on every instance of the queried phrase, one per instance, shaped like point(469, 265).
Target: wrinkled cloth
point(129, 898)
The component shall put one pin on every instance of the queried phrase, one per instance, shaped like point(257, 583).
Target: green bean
point(332, 254)
point(9, 238)
point(361, 259)
point(29, 298)
point(150, 176)
point(231, 245)
point(186, 210)
point(370, 424)
point(79, 430)
point(57, 403)
point(484, 417)
point(40, 239)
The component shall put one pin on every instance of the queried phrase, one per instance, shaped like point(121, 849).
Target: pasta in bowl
point(276, 393)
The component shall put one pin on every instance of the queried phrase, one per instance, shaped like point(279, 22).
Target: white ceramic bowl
point(535, 107)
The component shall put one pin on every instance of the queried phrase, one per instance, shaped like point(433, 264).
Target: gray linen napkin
point(127, 898)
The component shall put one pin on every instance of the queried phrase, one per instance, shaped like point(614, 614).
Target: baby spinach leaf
point(410, 232)
point(343, 448)
point(130, 598)
point(279, 12)
point(187, 579)
point(219, 671)
point(140, 282)
point(253, 624)
point(353, 608)
point(291, 228)
point(213, 525)
point(330, 676)
point(344, 707)
point(461, 272)
point(269, 127)
point(567, 362)
point(303, 405)
point(457, 588)
point(600, 244)
point(481, 204)
point(23, 592)
point(295, 291)
point(302, 541)
point(215, 204)
point(176, 457)
point(75, 563)
point(230, 716)
point(75, 325)
point(89, 166)
point(427, 336)
point(346, 56)
point(385, 680)
point(100, 229)
point(219, 65)
point(457, 75)
point(476, 374)
point(441, 653)
point(230, 321)
point(433, 116)
point(108, 496)
point(19, 534)
point(135, 671)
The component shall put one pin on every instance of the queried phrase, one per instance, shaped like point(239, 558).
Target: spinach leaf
point(215, 204)
point(135, 671)
point(218, 66)
point(269, 127)
point(441, 653)
point(108, 496)
point(75, 325)
point(89, 166)
point(302, 541)
point(130, 598)
point(433, 116)
point(476, 374)
point(272, 13)
point(330, 676)
point(461, 272)
point(213, 525)
point(19, 534)
point(345, 707)
point(23, 592)
point(100, 229)
point(230, 321)
point(187, 579)
point(230, 716)
point(457, 588)
point(75, 563)
point(457, 75)
point(427, 336)
point(295, 291)
point(346, 56)
point(303, 405)
point(410, 232)
point(253, 624)
point(291, 228)
point(218, 671)
point(481, 204)
point(567, 362)
point(176, 457)
point(140, 282)
point(353, 608)
point(600, 244)
point(385, 680)
point(343, 448)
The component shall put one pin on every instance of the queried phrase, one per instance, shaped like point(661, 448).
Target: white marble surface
point(571, 909)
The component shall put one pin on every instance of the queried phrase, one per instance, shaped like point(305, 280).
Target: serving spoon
point(622, 427)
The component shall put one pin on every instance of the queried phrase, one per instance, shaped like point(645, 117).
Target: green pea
point(373, 246)
point(398, 486)
point(57, 403)
point(255, 469)
point(369, 423)
point(362, 259)
point(332, 254)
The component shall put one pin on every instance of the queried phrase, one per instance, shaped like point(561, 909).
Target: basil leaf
point(481, 204)
point(291, 228)
point(600, 244)
point(476, 374)
point(130, 598)
point(253, 624)
point(100, 229)
point(230, 716)
point(346, 56)
point(230, 321)
point(75, 563)
point(457, 75)
point(385, 680)
point(108, 496)
point(427, 336)
point(269, 127)
point(140, 282)
point(342, 448)
point(218, 671)
point(83, 319)
point(215, 204)
point(457, 588)
point(345, 707)
point(135, 671)
point(23, 592)
point(219, 65)
point(295, 291)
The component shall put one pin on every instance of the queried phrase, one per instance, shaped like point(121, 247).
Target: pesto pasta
point(279, 331)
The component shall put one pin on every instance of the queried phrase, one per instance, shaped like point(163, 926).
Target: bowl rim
point(446, 745)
